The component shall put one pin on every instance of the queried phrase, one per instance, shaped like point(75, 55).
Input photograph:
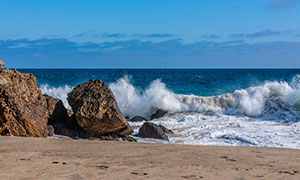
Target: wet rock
point(151, 130)
point(166, 130)
point(138, 119)
point(2, 64)
point(158, 114)
point(96, 110)
point(23, 108)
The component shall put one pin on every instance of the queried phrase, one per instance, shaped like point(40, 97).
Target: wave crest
point(134, 102)
point(270, 98)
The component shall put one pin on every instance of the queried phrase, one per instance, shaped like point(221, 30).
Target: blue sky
point(150, 33)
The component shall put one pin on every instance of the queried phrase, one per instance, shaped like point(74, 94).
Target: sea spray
point(60, 93)
point(133, 101)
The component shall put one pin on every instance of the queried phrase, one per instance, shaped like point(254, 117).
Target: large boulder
point(151, 130)
point(23, 108)
point(96, 110)
point(2, 64)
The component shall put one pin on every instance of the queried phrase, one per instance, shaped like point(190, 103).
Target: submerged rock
point(96, 110)
point(138, 119)
point(158, 114)
point(151, 130)
point(23, 108)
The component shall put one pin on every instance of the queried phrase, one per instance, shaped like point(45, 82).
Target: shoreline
point(61, 158)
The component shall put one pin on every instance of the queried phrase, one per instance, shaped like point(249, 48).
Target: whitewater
point(265, 115)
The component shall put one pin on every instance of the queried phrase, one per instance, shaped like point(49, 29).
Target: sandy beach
point(67, 159)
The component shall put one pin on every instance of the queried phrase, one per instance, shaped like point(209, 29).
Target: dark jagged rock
point(96, 110)
point(166, 130)
point(23, 108)
point(138, 119)
point(151, 130)
point(158, 114)
point(61, 118)
point(56, 110)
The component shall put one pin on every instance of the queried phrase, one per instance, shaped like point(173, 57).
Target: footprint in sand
point(192, 177)
point(228, 159)
point(102, 167)
point(57, 162)
point(139, 173)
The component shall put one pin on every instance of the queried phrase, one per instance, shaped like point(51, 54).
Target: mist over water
point(265, 113)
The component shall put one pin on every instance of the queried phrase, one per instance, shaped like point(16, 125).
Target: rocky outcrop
point(2, 64)
point(151, 130)
point(96, 110)
point(23, 108)
point(158, 114)
point(138, 119)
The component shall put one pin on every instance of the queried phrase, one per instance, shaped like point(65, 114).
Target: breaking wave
point(281, 99)
point(271, 98)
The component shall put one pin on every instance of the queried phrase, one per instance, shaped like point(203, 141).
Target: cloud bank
point(51, 53)
point(258, 34)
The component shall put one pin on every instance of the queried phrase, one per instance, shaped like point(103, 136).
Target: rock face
point(158, 114)
point(23, 108)
point(96, 110)
point(138, 119)
point(151, 130)
point(2, 64)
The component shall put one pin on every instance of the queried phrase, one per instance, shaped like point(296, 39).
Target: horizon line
point(121, 68)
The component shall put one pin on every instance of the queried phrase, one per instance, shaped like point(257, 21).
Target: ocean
point(227, 107)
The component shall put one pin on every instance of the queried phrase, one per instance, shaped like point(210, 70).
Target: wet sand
point(66, 159)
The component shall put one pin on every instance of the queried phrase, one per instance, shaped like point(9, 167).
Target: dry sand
point(59, 159)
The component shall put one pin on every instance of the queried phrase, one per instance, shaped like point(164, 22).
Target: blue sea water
point(202, 82)
point(244, 107)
